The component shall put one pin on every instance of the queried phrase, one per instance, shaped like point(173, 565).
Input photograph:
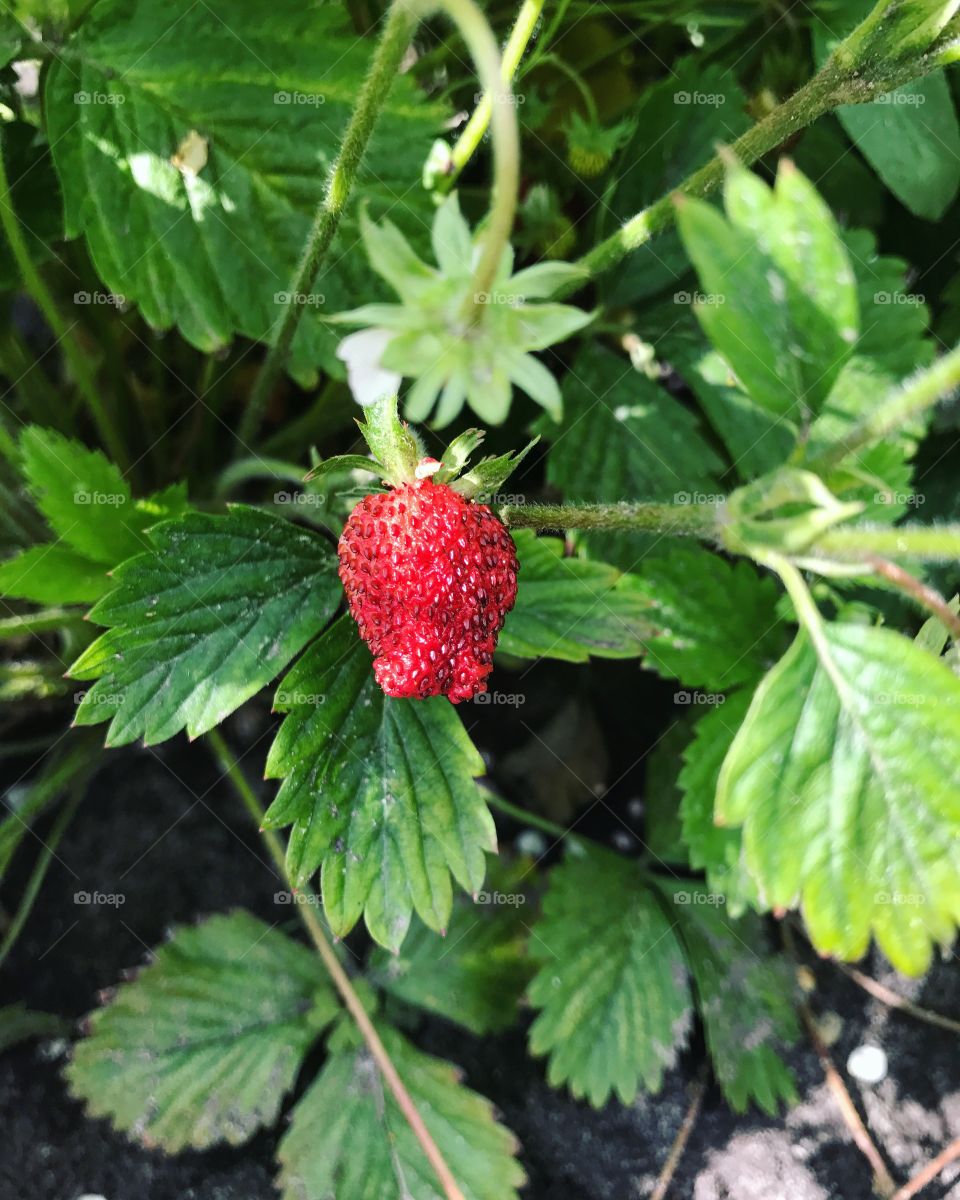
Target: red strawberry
point(430, 578)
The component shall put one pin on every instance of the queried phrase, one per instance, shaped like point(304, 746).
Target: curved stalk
point(476, 127)
point(338, 975)
point(476, 32)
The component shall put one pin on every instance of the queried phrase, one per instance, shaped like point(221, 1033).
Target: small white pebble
point(868, 1064)
point(91, 1196)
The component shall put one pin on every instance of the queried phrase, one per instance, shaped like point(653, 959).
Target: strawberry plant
point(264, 265)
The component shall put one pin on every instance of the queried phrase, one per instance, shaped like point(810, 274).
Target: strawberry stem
point(696, 520)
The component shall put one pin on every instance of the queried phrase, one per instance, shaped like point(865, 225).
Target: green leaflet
point(715, 623)
point(715, 849)
point(677, 130)
point(204, 1043)
point(381, 793)
point(846, 778)
point(476, 974)
point(572, 608)
point(251, 100)
point(744, 994)
point(779, 299)
point(612, 984)
point(202, 622)
point(348, 1139)
point(89, 507)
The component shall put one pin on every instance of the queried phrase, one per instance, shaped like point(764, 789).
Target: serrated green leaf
point(846, 778)
point(778, 298)
point(477, 973)
point(714, 622)
point(348, 1139)
point(676, 132)
point(612, 985)
point(572, 608)
point(744, 995)
point(262, 92)
point(86, 500)
point(203, 621)
point(715, 849)
point(204, 1043)
point(381, 793)
point(622, 435)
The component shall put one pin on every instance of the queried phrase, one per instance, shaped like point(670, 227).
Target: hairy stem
point(338, 975)
point(695, 520)
point(914, 397)
point(43, 298)
point(397, 32)
point(476, 127)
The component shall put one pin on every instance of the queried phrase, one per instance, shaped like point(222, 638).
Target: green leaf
point(260, 95)
point(475, 975)
point(86, 500)
point(204, 1043)
point(778, 300)
point(846, 778)
point(909, 136)
point(612, 985)
point(347, 1137)
point(715, 849)
point(381, 793)
point(744, 995)
point(202, 622)
point(52, 574)
point(622, 435)
point(714, 622)
point(678, 125)
point(572, 608)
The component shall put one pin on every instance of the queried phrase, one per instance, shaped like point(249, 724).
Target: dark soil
point(160, 827)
